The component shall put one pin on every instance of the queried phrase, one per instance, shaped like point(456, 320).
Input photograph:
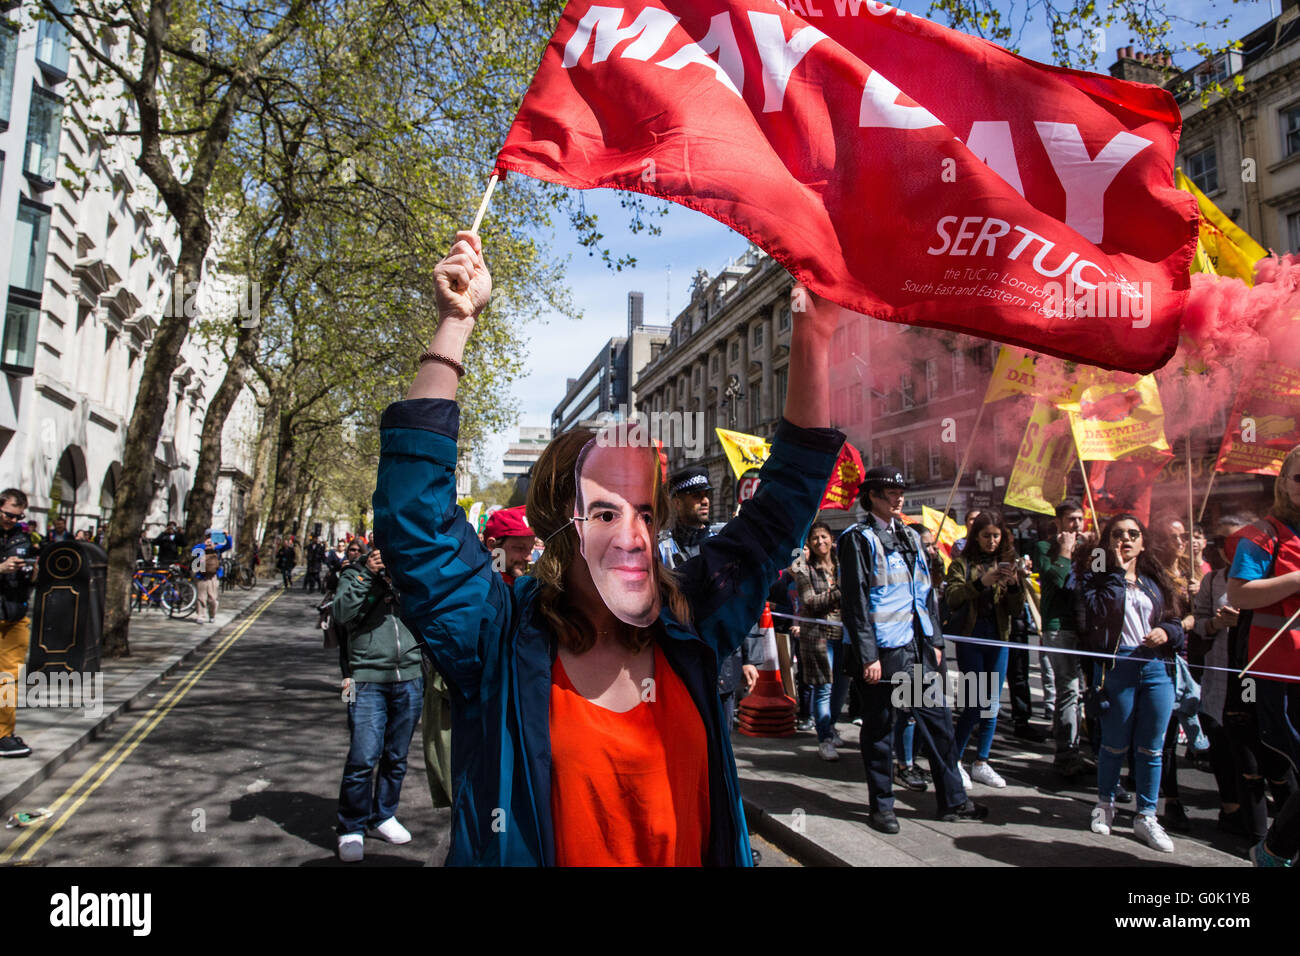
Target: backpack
point(335, 634)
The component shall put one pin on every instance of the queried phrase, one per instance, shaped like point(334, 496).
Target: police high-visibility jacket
point(884, 593)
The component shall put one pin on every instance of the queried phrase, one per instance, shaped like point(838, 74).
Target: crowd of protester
point(1161, 611)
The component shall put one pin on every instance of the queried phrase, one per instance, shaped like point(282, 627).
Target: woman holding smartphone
point(1131, 611)
point(983, 589)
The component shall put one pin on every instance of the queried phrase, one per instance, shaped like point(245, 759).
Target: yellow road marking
point(126, 744)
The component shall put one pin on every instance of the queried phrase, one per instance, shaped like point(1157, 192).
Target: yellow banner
point(930, 517)
point(1244, 251)
point(1046, 456)
point(1117, 416)
point(743, 451)
point(1020, 372)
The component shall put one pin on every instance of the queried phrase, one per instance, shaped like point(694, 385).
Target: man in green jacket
point(384, 687)
point(1053, 557)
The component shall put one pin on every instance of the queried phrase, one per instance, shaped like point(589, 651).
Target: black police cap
point(694, 478)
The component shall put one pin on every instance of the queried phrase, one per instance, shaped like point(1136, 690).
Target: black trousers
point(933, 731)
point(1278, 711)
point(1022, 701)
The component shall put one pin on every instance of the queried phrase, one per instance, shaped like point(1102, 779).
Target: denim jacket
point(1103, 607)
point(495, 652)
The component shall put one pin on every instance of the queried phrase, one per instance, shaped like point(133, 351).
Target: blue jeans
point(904, 733)
point(382, 720)
point(1136, 703)
point(979, 660)
point(840, 681)
point(821, 709)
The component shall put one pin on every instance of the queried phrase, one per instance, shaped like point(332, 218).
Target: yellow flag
point(1118, 415)
point(1020, 372)
point(1228, 247)
point(1201, 262)
point(1046, 455)
point(743, 451)
point(931, 517)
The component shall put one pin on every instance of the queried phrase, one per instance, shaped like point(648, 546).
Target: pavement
point(159, 646)
point(803, 809)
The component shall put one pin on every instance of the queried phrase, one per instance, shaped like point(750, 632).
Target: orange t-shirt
point(629, 789)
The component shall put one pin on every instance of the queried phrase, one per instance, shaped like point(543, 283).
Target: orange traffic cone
point(766, 711)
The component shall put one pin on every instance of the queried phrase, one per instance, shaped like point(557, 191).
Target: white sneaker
point(1148, 828)
point(982, 772)
point(1103, 818)
point(965, 777)
point(826, 750)
point(352, 847)
point(393, 832)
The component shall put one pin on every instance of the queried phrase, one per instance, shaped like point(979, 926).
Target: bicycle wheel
point(246, 579)
point(179, 598)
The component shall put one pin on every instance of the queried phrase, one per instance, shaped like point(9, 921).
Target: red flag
point(846, 478)
point(896, 167)
point(1124, 486)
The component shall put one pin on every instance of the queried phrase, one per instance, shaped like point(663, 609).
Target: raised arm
point(449, 595)
point(729, 579)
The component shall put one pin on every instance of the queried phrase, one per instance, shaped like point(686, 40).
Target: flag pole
point(1206, 500)
point(1280, 631)
point(482, 207)
point(1191, 505)
point(1087, 489)
point(970, 444)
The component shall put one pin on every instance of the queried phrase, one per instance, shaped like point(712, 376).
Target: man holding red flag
point(1037, 208)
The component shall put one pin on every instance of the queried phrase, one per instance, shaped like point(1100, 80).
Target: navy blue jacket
point(1103, 608)
point(494, 651)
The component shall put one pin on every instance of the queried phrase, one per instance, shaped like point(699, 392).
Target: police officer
point(17, 559)
point(891, 621)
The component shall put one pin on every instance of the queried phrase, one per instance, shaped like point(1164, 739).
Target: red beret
point(508, 523)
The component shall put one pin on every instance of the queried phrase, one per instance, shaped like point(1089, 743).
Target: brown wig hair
point(552, 495)
point(1006, 547)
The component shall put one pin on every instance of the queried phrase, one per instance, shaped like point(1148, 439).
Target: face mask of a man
point(616, 530)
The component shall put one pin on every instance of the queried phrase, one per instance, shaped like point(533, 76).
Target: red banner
point(846, 479)
point(1265, 421)
point(1124, 486)
point(896, 167)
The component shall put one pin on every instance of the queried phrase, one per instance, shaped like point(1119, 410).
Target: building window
point(43, 126)
point(758, 334)
point(713, 363)
point(958, 370)
point(31, 239)
point(1291, 131)
point(782, 386)
point(935, 464)
point(783, 321)
point(697, 374)
point(735, 350)
point(906, 391)
point(1293, 230)
point(8, 63)
point(755, 406)
point(21, 320)
point(1203, 169)
point(931, 378)
point(886, 455)
point(909, 457)
point(52, 40)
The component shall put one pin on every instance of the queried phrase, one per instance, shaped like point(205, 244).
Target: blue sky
point(559, 348)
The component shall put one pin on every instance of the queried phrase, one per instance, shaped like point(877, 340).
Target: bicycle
point(166, 589)
point(246, 576)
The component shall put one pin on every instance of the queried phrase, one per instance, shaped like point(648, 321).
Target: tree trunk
point(135, 486)
point(286, 468)
point(262, 477)
point(198, 503)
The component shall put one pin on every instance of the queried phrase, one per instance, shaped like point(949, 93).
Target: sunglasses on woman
point(1120, 534)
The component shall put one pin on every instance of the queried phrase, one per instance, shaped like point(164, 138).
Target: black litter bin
point(68, 608)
